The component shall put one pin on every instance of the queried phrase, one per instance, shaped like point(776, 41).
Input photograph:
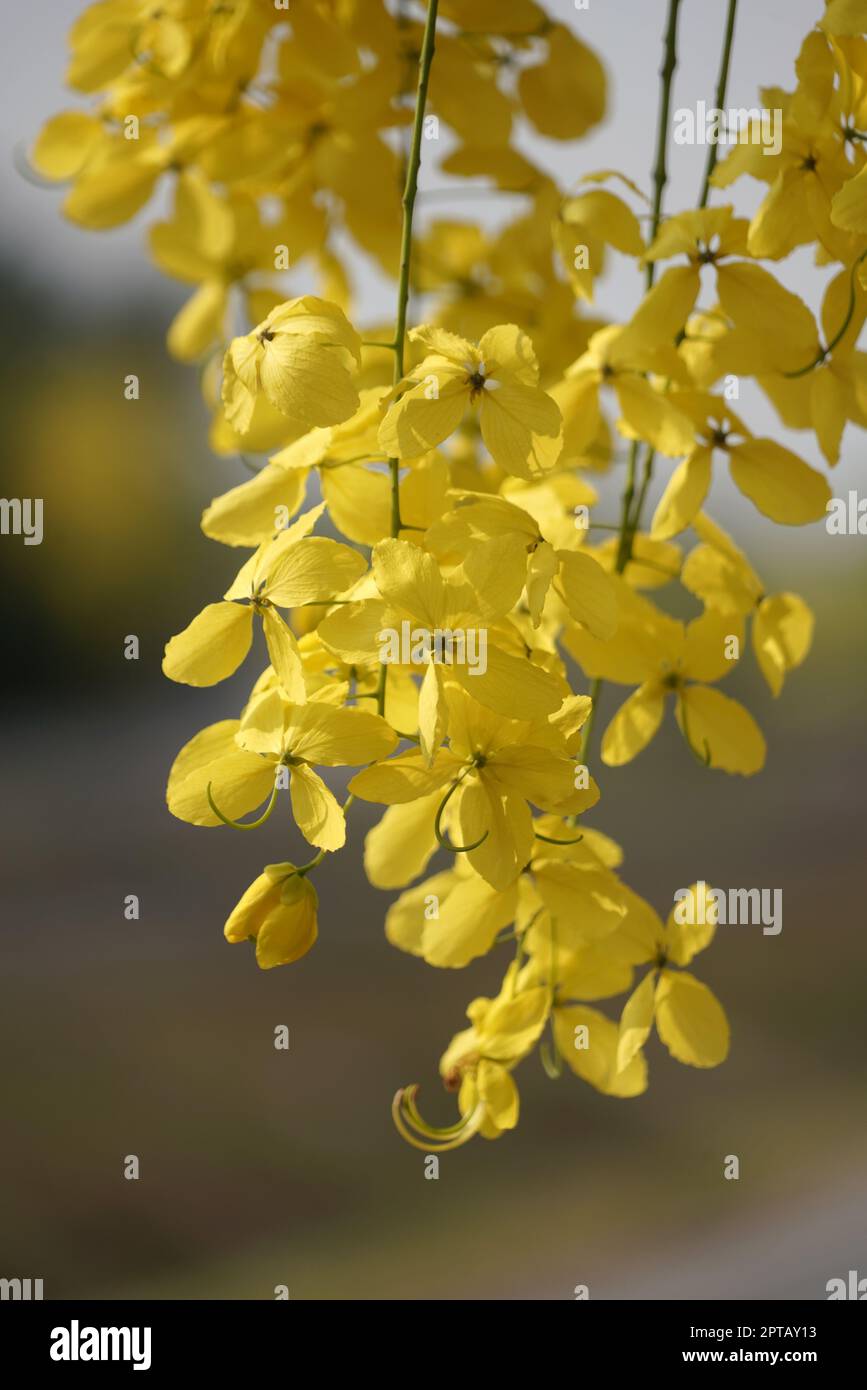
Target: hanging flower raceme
point(456, 652)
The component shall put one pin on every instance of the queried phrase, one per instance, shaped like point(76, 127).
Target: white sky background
point(628, 36)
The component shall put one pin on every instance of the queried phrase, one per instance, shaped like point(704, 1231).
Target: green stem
point(660, 171)
point(408, 204)
point(587, 731)
point(411, 188)
point(304, 869)
point(646, 477)
point(660, 178)
point(624, 544)
point(719, 100)
point(628, 526)
point(713, 149)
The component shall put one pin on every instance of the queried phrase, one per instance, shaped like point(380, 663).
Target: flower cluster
point(455, 460)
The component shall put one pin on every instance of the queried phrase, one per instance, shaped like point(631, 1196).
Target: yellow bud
point(278, 911)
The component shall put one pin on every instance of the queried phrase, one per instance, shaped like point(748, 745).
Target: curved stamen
point(825, 352)
point(411, 1111)
point(549, 839)
point(403, 1108)
point(443, 839)
point(243, 825)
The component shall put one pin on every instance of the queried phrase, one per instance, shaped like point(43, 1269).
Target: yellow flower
point(520, 424)
point(496, 766)
point(413, 592)
point(114, 176)
point(689, 1019)
point(477, 1064)
point(586, 225)
point(835, 390)
point(278, 912)
point(587, 1041)
point(806, 172)
point(299, 358)
point(575, 576)
point(230, 768)
point(478, 579)
point(620, 357)
point(451, 918)
point(215, 242)
point(669, 659)
point(291, 570)
point(718, 573)
point(564, 94)
point(358, 497)
point(780, 326)
point(777, 482)
point(112, 34)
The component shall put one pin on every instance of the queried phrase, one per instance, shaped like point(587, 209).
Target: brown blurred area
point(261, 1167)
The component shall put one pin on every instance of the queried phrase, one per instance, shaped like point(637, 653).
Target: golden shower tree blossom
point(449, 451)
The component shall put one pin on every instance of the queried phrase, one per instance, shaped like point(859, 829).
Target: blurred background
point(154, 1038)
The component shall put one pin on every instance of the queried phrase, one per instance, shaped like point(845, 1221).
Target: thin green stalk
point(660, 178)
point(411, 188)
point(624, 544)
point(408, 205)
point(632, 524)
point(304, 869)
point(712, 153)
point(587, 731)
point(719, 100)
point(660, 170)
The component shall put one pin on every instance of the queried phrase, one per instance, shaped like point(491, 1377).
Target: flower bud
point(278, 912)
